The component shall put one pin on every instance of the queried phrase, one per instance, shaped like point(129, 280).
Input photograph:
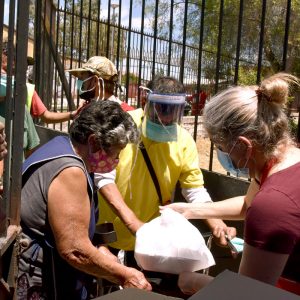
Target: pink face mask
point(100, 162)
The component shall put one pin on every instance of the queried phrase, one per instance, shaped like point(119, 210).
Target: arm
point(69, 220)
point(114, 198)
point(262, 265)
point(229, 209)
point(258, 264)
point(38, 109)
point(57, 117)
point(217, 226)
point(191, 282)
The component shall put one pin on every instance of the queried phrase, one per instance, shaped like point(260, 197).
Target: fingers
point(136, 279)
point(221, 232)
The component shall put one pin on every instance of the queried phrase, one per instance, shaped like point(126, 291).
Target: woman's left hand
point(219, 233)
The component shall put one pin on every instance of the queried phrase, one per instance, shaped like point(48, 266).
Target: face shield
point(162, 115)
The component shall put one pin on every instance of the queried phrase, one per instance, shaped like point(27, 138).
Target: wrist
point(72, 115)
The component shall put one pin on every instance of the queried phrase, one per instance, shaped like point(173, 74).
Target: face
point(100, 160)
point(238, 153)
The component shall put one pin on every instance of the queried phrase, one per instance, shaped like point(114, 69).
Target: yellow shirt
point(172, 162)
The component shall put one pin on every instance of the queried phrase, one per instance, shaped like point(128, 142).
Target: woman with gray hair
point(58, 212)
point(250, 129)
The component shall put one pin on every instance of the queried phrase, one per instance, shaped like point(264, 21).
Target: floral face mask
point(101, 162)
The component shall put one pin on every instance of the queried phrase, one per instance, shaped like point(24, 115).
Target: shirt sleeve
point(37, 106)
point(270, 222)
point(103, 179)
point(191, 175)
point(196, 195)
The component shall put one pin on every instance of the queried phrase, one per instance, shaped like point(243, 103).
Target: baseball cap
point(98, 65)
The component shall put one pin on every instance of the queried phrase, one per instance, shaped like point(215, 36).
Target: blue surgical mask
point(160, 133)
point(3, 84)
point(79, 84)
point(226, 162)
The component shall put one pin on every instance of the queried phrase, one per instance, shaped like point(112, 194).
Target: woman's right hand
point(136, 279)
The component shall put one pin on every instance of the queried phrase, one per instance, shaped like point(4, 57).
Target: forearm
point(84, 256)
point(113, 197)
point(230, 209)
point(56, 117)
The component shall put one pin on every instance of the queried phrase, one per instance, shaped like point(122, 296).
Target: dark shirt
point(273, 219)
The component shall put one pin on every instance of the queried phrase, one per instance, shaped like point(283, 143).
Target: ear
point(91, 142)
point(248, 144)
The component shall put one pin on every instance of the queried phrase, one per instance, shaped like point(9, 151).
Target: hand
point(135, 226)
point(181, 207)
point(219, 233)
point(136, 279)
point(74, 113)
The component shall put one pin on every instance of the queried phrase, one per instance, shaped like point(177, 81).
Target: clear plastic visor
point(165, 109)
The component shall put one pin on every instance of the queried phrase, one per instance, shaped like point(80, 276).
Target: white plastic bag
point(171, 244)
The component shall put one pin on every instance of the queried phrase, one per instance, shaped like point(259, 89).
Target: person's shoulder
point(137, 115)
point(126, 107)
point(185, 135)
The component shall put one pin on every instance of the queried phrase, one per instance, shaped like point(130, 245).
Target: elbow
point(74, 257)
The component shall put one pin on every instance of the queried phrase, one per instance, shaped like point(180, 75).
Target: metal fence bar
point(181, 75)
point(7, 182)
point(221, 13)
point(141, 53)
point(37, 45)
point(261, 40)
point(2, 202)
point(238, 43)
point(286, 33)
point(128, 50)
point(108, 29)
point(155, 38)
point(18, 121)
point(199, 65)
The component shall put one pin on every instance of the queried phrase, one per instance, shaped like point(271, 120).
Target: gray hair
point(111, 125)
point(254, 112)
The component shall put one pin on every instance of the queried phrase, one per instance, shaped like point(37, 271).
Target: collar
point(266, 170)
point(114, 98)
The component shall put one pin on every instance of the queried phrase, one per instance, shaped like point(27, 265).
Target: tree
point(273, 38)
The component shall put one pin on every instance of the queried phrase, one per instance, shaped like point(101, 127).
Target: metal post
point(114, 6)
point(261, 40)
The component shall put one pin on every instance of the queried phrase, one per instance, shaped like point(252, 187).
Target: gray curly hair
point(111, 125)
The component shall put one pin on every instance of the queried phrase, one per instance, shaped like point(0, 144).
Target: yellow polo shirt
point(172, 162)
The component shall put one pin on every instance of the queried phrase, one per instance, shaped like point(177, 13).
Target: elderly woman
point(250, 129)
point(58, 212)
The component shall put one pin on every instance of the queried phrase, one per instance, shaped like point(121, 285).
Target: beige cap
point(100, 66)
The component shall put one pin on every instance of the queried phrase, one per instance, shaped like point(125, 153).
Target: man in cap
point(173, 155)
point(97, 79)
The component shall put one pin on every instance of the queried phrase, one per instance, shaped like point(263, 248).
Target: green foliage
point(133, 78)
point(247, 76)
point(251, 26)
